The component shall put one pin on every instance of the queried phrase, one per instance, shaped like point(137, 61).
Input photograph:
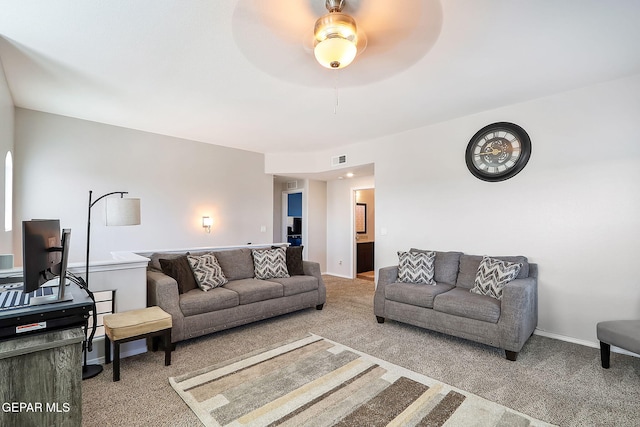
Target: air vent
point(339, 160)
point(292, 185)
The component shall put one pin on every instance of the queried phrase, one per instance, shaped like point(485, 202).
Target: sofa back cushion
point(446, 266)
point(236, 263)
point(469, 268)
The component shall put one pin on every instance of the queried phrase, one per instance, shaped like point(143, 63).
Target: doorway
point(364, 233)
point(292, 210)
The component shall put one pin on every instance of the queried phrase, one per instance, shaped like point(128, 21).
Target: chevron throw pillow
point(493, 274)
point(270, 263)
point(416, 267)
point(207, 271)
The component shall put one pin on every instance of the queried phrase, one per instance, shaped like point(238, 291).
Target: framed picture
point(361, 218)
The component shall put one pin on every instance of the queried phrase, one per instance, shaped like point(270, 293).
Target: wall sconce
point(207, 222)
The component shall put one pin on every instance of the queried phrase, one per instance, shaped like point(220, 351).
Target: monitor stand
point(49, 299)
point(61, 296)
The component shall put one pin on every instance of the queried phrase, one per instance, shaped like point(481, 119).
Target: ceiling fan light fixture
point(336, 39)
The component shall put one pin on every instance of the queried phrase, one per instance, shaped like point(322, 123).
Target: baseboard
point(339, 275)
point(581, 342)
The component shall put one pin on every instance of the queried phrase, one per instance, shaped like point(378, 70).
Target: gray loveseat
point(242, 300)
point(449, 306)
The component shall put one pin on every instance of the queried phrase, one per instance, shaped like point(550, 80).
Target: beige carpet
point(554, 381)
point(317, 382)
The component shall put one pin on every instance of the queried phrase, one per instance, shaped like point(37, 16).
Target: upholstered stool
point(134, 325)
point(620, 333)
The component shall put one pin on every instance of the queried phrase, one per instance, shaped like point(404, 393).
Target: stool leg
point(167, 347)
point(605, 354)
point(116, 361)
point(107, 350)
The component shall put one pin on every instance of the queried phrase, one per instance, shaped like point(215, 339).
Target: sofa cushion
point(446, 265)
point(180, 270)
point(461, 302)
point(270, 263)
point(254, 290)
point(197, 301)
point(236, 263)
point(297, 284)
point(469, 268)
point(416, 267)
point(207, 271)
point(414, 294)
point(493, 274)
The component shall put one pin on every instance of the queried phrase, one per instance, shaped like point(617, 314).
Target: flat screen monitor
point(45, 255)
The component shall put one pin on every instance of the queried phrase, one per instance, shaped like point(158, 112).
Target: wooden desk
point(41, 379)
point(41, 369)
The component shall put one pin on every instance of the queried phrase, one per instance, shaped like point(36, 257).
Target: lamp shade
point(336, 40)
point(122, 211)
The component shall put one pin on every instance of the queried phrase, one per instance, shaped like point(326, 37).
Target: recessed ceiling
point(239, 74)
point(276, 36)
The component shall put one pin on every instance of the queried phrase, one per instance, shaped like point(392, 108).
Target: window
point(8, 192)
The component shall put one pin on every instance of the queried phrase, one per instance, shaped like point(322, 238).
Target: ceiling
point(240, 73)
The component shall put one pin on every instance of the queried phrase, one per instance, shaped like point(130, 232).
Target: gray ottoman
point(620, 333)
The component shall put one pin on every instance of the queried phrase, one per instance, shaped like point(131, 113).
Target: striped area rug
point(316, 382)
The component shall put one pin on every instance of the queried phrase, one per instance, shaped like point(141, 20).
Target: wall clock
point(498, 151)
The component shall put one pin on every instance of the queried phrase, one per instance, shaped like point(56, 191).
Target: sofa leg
point(319, 306)
point(511, 355)
point(380, 319)
point(605, 354)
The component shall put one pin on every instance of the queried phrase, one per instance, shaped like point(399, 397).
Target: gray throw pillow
point(416, 267)
point(445, 265)
point(493, 274)
point(207, 271)
point(270, 263)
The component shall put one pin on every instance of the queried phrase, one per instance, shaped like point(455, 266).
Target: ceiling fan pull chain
point(335, 108)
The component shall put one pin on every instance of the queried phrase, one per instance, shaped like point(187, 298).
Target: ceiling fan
point(336, 39)
point(282, 37)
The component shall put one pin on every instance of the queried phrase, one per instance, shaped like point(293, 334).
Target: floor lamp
point(119, 211)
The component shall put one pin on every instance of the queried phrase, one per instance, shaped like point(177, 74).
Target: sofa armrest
point(162, 291)
point(312, 268)
point(386, 276)
point(519, 311)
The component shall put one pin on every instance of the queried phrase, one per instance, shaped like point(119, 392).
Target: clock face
point(498, 151)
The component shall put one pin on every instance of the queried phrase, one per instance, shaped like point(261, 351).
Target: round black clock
point(498, 151)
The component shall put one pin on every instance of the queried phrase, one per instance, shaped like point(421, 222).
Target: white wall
point(6, 144)
point(340, 213)
point(316, 221)
point(574, 210)
point(59, 159)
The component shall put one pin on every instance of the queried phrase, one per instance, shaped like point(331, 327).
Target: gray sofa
point(449, 306)
point(242, 300)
